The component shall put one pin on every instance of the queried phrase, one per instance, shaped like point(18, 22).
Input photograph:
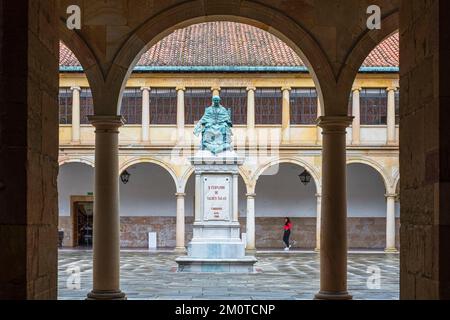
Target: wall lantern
point(305, 177)
point(125, 177)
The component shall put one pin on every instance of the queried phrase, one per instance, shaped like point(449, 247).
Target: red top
point(288, 226)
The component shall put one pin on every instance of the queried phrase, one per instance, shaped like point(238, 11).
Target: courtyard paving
point(280, 276)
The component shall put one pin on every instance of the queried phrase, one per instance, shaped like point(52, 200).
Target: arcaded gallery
point(245, 150)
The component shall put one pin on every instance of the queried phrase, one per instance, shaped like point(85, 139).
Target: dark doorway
point(83, 224)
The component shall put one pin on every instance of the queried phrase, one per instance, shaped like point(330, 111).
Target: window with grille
point(397, 107)
point(131, 109)
point(196, 100)
point(268, 106)
point(65, 106)
point(374, 107)
point(163, 106)
point(303, 105)
point(235, 99)
point(86, 105)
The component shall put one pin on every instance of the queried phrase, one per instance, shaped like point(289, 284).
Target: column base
point(250, 252)
point(180, 250)
point(317, 250)
point(323, 295)
point(391, 250)
point(392, 143)
point(106, 295)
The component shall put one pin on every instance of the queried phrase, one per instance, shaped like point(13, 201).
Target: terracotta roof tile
point(386, 54)
point(233, 44)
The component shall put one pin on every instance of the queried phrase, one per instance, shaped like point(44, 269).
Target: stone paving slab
point(292, 276)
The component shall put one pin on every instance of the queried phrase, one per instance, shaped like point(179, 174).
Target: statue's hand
point(198, 129)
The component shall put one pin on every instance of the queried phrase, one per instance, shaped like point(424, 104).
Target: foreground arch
point(192, 12)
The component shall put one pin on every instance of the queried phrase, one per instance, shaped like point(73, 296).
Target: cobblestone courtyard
point(281, 276)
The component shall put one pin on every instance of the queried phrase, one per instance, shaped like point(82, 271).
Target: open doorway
point(82, 221)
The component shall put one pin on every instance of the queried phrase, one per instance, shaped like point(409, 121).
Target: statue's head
point(216, 101)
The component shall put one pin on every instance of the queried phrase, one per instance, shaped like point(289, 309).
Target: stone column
point(318, 222)
point(180, 242)
point(286, 114)
point(390, 223)
point(356, 126)
point(333, 248)
point(76, 115)
point(251, 222)
point(215, 91)
point(180, 113)
point(251, 115)
point(106, 272)
point(235, 198)
point(145, 114)
point(391, 116)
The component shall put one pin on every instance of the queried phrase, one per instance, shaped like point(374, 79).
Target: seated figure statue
point(215, 127)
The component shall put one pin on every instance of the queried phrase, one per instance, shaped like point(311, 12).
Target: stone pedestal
point(216, 245)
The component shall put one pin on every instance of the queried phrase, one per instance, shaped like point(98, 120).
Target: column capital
point(214, 88)
point(145, 88)
point(318, 195)
point(251, 88)
point(391, 195)
point(107, 123)
point(75, 88)
point(180, 88)
point(356, 89)
point(180, 194)
point(286, 88)
point(251, 195)
point(334, 123)
point(393, 88)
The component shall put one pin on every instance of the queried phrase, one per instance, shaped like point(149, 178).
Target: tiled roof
point(66, 57)
point(220, 44)
point(386, 54)
point(229, 44)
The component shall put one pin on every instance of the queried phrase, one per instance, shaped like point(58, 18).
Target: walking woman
point(287, 233)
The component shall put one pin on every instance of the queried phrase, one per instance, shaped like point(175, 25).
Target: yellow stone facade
point(303, 145)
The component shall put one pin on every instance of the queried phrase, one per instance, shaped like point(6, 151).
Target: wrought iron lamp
point(125, 177)
point(305, 177)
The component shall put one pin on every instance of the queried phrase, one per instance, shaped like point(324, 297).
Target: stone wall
point(364, 233)
point(425, 149)
point(28, 149)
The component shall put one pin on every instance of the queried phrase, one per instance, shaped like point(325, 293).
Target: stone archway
point(369, 205)
point(75, 180)
point(148, 204)
point(185, 14)
point(279, 194)
point(364, 46)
